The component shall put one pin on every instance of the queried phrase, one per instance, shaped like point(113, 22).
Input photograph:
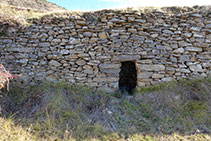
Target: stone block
point(87, 34)
point(195, 29)
point(109, 66)
point(141, 84)
point(151, 67)
point(195, 49)
point(184, 58)
point(127, 57)
point(73, 41)
point(196, 68)
point(63, 52)
point(206, 65)
point(110, 71)
point(144, 75)
point(168, 32)
point(81, 62)
point(23, 61)
point(179, 50)
point(145, 61)
point(197, 35)
point(81, 22)
point(56, 40)
point(106, 79)
point(93, 40)
point(102, 35)
point(44, 44)
point(157, 75)
point(114, 20)
point(54, 63)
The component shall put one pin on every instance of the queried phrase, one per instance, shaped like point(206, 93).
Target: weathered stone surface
point(111, 71)
point(109, 66)
point(197, 35)
point(197, 15)
point(141, 84)
point(156, 75)
point(196, 68)
point(93, 40)
point(206, 65)
point(52, 77)
point(127, 57)
point(64, 51)
point(111, 79)
point(196, 49)
point(140, 20)
point(23, 61)
point(81, 62)
point(208, 26)
point(146, 61)
point(179, 50)
point(145, 75)
point(103, 35)
point(168, 32)
point(54, 63)
point(117, 20)
point(83, 49)
point(56, 40)
point(151, 67)
point(194, 29)
point(45, 44)
point(184, 58)
point(7, 41)
point(87, 34)
point(187, 35)
point(74, 41)
point(131, 19)
point(81, 22)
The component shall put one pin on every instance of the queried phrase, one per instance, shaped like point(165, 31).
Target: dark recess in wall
point(128, 77)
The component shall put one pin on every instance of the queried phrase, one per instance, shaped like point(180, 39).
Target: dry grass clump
point(65, 111)
point(42, 5)
point(14, 15)
point(11, 132)
point(18, 16)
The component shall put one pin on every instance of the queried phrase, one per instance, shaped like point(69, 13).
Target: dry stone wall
point(89, 49)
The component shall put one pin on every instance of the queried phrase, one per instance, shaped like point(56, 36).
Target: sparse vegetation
point(65, 111)
point(14, 14)
point(42, 5)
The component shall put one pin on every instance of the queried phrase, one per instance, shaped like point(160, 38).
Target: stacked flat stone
point(89, 51)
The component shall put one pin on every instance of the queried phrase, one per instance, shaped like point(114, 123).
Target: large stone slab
point(195, 49)
point(156, 75)
point(127, 57)
point(103, 35)
point(196, 68)
point(151, 67)
point(111, 79)
point(54, 63)
point(109, 66)
point(144, 75)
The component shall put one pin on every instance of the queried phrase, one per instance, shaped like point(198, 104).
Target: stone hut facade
point(105, 48)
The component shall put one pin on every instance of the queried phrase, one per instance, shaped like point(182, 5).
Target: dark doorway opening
point(128, 77)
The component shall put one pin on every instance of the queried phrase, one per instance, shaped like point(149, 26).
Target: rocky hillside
point(33, 4)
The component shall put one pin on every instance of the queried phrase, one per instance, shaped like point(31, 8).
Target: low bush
point(5, 76)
